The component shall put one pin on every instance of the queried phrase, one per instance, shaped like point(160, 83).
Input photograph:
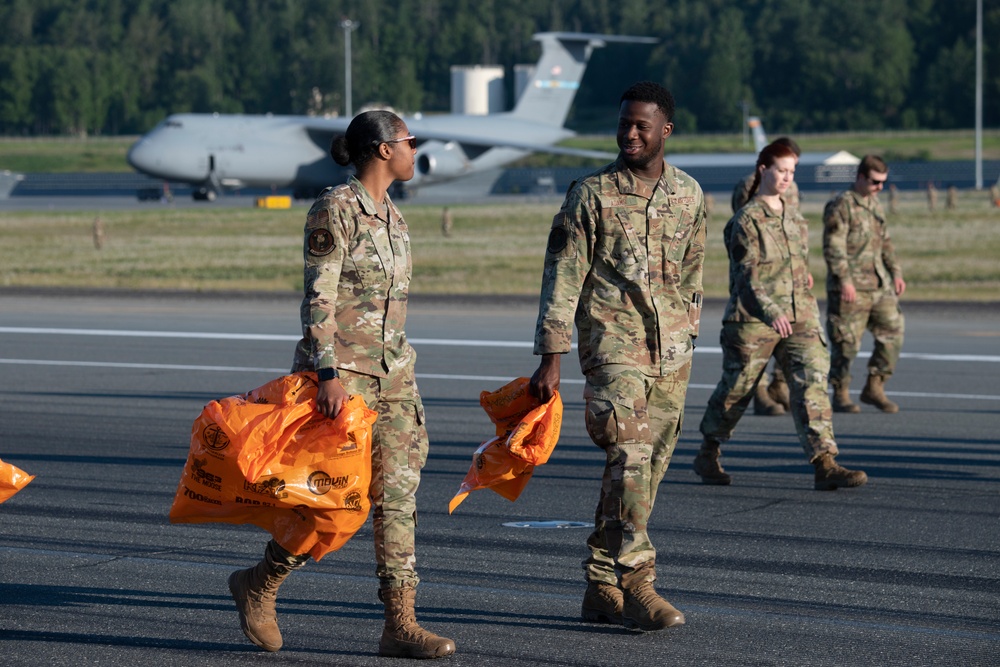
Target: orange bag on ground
point(12, 480)
point(527, 432)
point(268, 458)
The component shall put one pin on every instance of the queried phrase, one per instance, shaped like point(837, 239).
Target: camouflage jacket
point(741, 193)
point(357, 276)
point(768, 266)
point(625, 263)
point(856, 244)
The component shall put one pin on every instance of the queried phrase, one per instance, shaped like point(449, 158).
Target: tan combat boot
point(255, 591)
point(707, 465)
point(643, 608)
point(602, 603)
point(831, 476)
point(763, 404)
point(842, 397)
point(778, 391)
point(401, 636)
point(874, 394)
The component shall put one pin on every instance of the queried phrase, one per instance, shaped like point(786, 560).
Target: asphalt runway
point(99, 392)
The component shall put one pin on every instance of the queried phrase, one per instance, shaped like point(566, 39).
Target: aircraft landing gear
point(203, 194)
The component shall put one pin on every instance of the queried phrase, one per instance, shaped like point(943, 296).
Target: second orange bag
point(527, 431)
point(12, 480)
point(267, 458)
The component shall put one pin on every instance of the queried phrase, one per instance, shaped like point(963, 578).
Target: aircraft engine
point(436, 159)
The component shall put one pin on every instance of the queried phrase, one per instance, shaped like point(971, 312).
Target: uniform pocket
point(679, 242)
point(772, 248)
point(366, 256)
point(840, 331)
point(628, 254)
point(616, 408)
point(420, 444)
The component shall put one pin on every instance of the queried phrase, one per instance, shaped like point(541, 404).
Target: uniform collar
point(868, 201)
point(368, 204)
point(770, 211)
point(630, 184)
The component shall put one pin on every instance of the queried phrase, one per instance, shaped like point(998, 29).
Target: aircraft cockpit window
point(172, 123)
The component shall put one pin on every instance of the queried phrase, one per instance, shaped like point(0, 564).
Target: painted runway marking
point(420, 376)
point(418, 342)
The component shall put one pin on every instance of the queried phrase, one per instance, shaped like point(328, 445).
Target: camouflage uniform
point(859, 252)
point(357, 276)
point(625, 263)
point(741, 195)
point(768, 278)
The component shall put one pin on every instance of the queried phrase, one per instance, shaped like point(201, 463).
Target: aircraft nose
point(155, 157)
point(139, 156)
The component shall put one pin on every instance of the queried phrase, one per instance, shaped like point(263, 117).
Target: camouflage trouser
point(636, 420)
point(846, 323)
point(746, 348)
point(399, 451)
point(777, 374)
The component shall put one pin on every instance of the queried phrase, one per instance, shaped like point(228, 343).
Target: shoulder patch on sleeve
point(558, 238)
point(320, 242)
point(319, 239)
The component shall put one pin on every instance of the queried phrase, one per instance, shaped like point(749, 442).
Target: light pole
point(348, 25)
point(979, 94)
point(745, 106)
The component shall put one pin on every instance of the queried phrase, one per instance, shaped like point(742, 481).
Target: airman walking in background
point(446, 222)
point(951, 199)
point(770, 398)
point(863, 284)
point(771, 311)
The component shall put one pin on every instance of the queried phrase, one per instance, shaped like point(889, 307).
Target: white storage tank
point(477, 89)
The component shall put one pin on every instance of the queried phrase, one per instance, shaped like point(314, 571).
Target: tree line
point(120, 66)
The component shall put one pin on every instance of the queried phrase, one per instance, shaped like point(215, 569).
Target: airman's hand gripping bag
point(268, 458)
point(527, 431)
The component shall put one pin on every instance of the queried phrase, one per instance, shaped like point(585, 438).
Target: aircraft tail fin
point(757, 130)
point(549, 94)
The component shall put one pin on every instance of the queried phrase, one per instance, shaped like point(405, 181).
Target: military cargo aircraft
point(215, 151)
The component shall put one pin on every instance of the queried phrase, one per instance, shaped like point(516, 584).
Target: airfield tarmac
point(100, 390)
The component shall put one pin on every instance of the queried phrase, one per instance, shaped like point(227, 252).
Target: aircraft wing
point(322, 131)
point(485, 142)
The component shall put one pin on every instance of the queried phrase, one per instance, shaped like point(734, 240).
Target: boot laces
point(608, 593)
point(646, 595)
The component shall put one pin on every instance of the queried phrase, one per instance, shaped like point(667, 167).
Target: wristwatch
point(325, 374)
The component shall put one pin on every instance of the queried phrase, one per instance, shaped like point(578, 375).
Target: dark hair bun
point(339, 152)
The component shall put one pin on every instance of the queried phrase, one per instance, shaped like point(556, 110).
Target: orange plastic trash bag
point(527, 432)
point(267, 458)
point(12, 480)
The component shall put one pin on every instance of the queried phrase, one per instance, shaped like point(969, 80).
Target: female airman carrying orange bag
point(268, 458)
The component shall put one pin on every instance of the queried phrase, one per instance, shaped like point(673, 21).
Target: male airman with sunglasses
point(863, 284)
